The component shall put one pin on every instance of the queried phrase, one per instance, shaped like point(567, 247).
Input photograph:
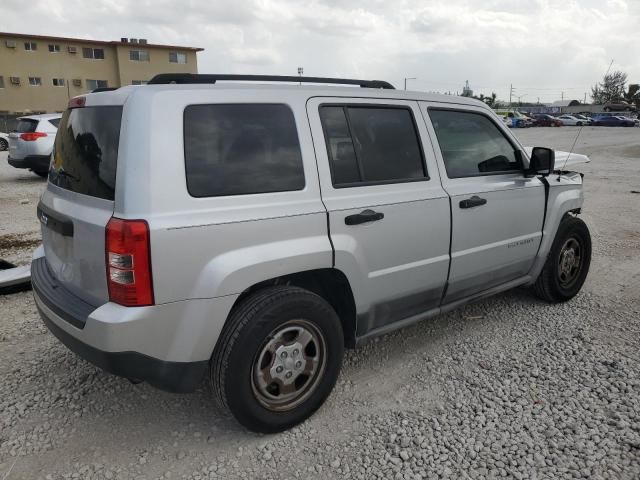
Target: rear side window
point(85, 152)
point(372, 145)
point(54, 121)
point(238, 149)
point(26, 125)
point(472, 145)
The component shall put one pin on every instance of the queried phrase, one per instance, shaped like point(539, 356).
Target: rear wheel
point(567, 264)
point(277, 359)
point(4, 145)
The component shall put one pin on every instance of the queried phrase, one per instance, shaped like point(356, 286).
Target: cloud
point(542, 47)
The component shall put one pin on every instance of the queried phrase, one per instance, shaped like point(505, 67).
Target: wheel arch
point(329, 283)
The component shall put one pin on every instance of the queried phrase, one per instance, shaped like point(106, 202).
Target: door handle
point(474, 201)
point(363, 217)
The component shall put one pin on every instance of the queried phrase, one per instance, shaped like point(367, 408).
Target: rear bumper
point(38, 163)
point(168, 346)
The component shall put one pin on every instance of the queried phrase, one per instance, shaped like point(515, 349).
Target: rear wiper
point(65, 174)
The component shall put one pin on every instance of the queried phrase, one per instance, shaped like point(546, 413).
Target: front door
point(497, 213)
point(388, 213)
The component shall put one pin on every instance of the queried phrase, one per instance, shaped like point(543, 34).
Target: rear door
point(79, 199)
point(497, 212)
point(388, 213)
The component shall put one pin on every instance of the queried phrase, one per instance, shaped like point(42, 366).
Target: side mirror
point(542, 162)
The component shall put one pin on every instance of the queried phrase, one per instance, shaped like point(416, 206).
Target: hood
point(565, 159)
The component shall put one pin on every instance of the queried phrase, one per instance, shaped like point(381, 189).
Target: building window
point(95, 53)
point(138, 82)
point(93, 84)
point(139, 55)
point(177, 57)
point(1, 81)
point(35, 81)
point(30, 46)
point(58, 82)
point(54, 48)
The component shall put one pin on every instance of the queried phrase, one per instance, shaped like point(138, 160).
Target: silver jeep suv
point(202, 226)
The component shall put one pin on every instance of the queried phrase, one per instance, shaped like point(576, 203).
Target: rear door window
point(371, 145)
point(239, 149)
point(26, 125)
point(85, 152)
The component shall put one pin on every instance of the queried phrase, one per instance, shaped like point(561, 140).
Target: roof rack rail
point(103, 89)
point(186, 78)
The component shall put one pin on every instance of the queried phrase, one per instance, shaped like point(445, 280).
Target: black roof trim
point(104, 89)
point(186, 78)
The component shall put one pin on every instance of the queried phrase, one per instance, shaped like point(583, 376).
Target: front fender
point(565, 195)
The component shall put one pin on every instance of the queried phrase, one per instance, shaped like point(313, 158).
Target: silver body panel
point(422, 258)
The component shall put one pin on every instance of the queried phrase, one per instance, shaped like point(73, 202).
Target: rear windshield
point(241, 149)
point(26, 125)
point(86, 151)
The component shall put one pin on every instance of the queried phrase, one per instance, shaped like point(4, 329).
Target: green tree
point(611, 88)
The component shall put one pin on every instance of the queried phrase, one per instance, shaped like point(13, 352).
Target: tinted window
point(26, 125)
point(372, 145)
point(85, 152)
point(54, 121)
point(472, 144)
point(241, 149)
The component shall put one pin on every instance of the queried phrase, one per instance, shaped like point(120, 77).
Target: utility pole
point(300, 73)
point(405, 81)
point(585, 98)
point(511, 89)
point(562, 96)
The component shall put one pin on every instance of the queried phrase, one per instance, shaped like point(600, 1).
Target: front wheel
point(567, 264)
point(278, 358)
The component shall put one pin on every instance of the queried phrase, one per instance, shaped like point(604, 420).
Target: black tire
point(4, 145)
point(555, 284)
point(40, 173)
point(579, 124)
point(252, 328)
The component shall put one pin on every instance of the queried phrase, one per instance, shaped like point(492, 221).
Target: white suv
point(250, 232)
point(31, 143)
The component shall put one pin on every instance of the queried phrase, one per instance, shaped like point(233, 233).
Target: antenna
point(570, 152)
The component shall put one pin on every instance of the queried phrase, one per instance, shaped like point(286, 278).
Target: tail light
point(32, 136)
point(128, 259)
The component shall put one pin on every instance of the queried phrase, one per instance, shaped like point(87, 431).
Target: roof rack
point(185, 78)
point(103, 89)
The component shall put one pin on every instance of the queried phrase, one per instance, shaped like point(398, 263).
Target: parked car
point(619, 106)
point(31, 143)
point(248, 235)
point(612, 121)
point(513, 118)
point(4, 142)
point(586, 120)
point(636, 121)
point(545, 120)
point(573, 120)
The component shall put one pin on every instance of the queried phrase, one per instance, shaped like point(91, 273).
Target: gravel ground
point(509, 387)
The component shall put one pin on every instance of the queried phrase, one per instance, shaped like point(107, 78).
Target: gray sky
point(542, 47)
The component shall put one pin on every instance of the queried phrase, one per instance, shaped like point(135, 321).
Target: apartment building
point(38, 74)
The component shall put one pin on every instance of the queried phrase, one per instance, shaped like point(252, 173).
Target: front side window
point(94, 53)
point(177, 57)
point(372, 145)
point(472, 145)
point(35, 81)
point(139, 55)
point(238, 149)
